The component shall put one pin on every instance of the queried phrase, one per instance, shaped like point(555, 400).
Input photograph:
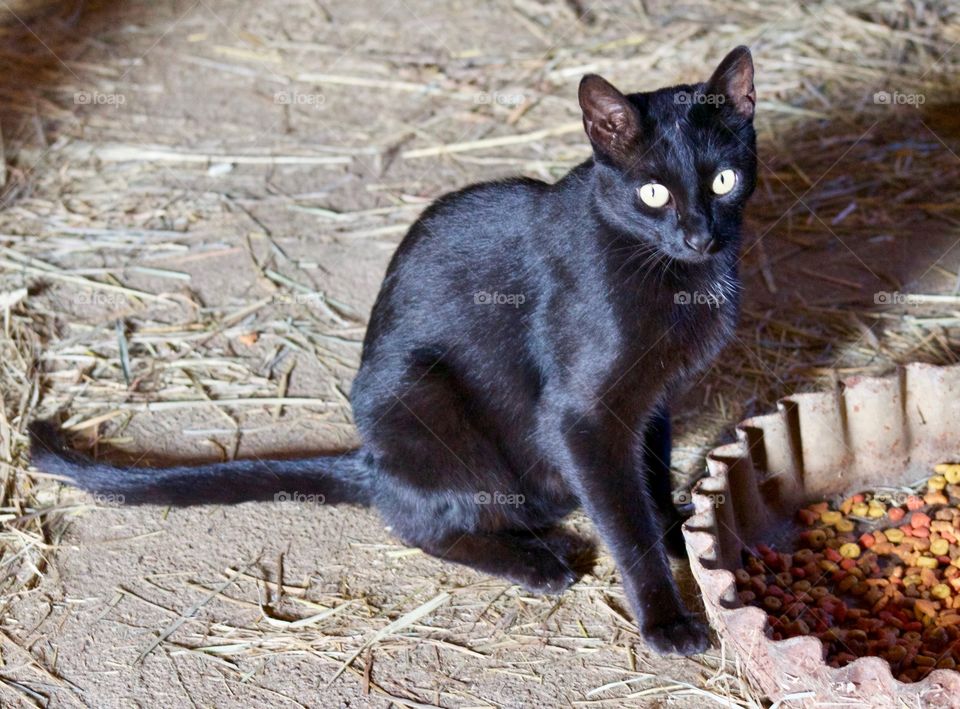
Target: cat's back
point(469, 239)
point(484, 215)
point(471, 247)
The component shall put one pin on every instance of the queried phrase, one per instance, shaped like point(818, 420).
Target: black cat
point(522, 353)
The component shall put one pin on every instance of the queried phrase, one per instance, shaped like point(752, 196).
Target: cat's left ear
point(610, 120)
point(733, 80)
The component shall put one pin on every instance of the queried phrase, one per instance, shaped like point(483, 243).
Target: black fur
point(522, 353)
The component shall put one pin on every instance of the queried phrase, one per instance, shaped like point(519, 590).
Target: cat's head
point(675, 167)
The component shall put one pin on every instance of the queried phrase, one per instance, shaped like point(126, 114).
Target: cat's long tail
point(332, 479)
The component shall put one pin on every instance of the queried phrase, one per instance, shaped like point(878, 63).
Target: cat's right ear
point(609, 119)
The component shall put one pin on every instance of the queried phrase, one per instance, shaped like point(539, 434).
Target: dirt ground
point(200, 201)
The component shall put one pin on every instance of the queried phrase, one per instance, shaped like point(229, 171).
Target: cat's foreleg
point(596, 453)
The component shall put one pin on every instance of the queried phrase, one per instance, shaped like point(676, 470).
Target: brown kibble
point(772, 603)
point(895, 654)
point(894, 593)
point(831, 566)
point(846, 583)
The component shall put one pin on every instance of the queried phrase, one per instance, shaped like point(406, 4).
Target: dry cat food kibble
point(877, 574)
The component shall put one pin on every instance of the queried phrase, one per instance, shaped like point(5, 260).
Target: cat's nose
point(700, 242)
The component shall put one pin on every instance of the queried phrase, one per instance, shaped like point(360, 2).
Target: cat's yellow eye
point(654, 195)
point(724, 181)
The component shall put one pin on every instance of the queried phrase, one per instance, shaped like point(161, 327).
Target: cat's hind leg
point(545, 561)
point(449, 482)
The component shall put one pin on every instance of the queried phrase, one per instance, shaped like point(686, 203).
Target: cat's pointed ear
point(610, 120)
point(733, 80)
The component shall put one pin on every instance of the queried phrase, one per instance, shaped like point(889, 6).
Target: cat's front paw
point(681, 635)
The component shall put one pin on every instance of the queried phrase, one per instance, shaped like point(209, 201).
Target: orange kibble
point(914, 503)
point(919, 519)
point(807, 517)
point(867, 540)
point(896, 514)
